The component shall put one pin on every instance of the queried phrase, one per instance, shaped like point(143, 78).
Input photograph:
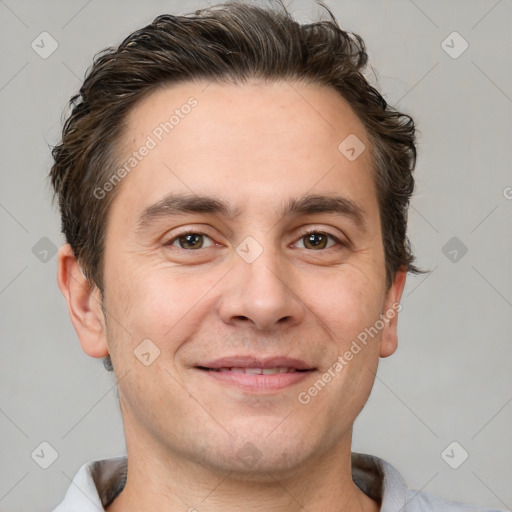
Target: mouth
point(256, 374)
point(255, 371)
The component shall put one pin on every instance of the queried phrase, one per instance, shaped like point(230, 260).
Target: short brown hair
point(231, 42)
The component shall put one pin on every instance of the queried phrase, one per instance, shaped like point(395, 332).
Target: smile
point(263, 377)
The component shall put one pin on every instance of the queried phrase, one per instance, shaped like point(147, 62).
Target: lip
point(256, 362)
point(300, 370)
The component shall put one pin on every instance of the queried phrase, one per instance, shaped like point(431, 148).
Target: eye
point(190, 241)
point(318, 240)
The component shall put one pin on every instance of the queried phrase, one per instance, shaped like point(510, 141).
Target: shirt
point(98, 483)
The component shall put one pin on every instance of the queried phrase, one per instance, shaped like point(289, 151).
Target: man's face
point(253, 290)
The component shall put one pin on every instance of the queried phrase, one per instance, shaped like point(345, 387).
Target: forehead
point(253, 142)
point(286, 108)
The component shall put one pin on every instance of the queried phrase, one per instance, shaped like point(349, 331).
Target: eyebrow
point(177, 204)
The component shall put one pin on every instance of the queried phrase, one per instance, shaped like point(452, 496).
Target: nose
point(261, 294)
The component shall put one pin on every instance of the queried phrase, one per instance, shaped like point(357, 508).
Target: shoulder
point(383, 483)
point(425, 502)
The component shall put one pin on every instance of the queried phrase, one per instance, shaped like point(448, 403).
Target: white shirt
point(98, 483)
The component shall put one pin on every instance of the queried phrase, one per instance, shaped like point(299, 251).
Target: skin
point(253, 146)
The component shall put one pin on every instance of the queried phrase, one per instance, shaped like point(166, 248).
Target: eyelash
point(303, 235)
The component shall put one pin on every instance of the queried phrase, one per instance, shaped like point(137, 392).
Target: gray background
point(451, 378)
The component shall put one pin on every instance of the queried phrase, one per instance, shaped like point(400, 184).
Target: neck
point(160, 480)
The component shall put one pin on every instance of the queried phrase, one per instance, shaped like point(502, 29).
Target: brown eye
point(317, 240)
point(190, 241)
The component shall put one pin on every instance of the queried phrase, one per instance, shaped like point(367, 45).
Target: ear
point(389, 338)
point(84, 304)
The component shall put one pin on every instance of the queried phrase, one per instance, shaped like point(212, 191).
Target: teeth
point(257, 371)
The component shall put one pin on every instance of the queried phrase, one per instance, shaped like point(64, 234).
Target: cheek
point(349, 302)
point(357, 304)
point(350, 308)
point(162, 305)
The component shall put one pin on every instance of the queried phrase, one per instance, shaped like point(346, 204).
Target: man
point(234, 196)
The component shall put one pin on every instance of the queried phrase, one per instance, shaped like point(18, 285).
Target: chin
point(260, 457)
point(266, 469)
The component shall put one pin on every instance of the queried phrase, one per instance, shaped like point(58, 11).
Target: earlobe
point(389, 338)
point(84, 304)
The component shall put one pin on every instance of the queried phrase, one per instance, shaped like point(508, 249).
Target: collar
point(98, 483)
